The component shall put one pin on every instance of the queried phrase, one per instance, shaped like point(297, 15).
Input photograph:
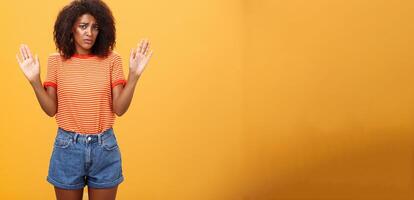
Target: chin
point(87, 46)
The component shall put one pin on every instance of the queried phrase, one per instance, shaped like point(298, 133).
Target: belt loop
point(76, 137)
point(99, 139)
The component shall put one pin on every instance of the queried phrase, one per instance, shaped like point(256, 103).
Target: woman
point(84, 88)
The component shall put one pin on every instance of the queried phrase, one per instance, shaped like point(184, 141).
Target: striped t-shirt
point(84, 90)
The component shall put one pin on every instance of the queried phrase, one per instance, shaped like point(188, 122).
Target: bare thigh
point(63, 194)
point(102, 194)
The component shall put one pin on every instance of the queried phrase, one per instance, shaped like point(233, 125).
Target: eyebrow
point(87, 23)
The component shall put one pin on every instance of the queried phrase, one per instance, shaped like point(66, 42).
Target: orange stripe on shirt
point(84, 90)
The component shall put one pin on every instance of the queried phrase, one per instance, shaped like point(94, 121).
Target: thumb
point(37, 62)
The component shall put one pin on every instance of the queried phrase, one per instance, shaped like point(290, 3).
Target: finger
point(140, 46)
point(132, 55)
point(136, 51)
point(150, 54)
point(145, 46)
point(37, 59)
point(22, 52)
point(28, 52)
point(18, 59)
point(148, 48)
point(147, 58)
point(25, 50)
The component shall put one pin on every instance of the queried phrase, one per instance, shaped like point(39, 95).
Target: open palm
point(28, 64)
point(139, 57)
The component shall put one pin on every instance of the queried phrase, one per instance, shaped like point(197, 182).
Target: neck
point(81, 51)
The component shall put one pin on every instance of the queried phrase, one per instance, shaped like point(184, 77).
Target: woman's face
point(84, 32)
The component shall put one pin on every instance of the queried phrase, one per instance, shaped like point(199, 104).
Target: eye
point(82, 26)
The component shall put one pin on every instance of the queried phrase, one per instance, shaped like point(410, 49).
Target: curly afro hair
point(63, 36)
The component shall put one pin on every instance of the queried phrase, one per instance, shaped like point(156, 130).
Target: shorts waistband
point(88, 138)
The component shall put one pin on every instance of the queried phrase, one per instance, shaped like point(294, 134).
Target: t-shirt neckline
point(76, 55)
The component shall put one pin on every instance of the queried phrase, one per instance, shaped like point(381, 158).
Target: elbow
point(117, 112)
point(51, 114)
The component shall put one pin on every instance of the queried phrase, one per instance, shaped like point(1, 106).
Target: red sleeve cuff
point(45, 84)
point(121, 81)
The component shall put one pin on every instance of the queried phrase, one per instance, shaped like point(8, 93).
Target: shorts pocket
point(62, 142)
point(110, 143)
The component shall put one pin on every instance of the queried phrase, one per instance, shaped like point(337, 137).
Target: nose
point(88, 31)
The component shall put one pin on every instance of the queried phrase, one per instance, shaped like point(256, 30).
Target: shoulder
point(54, 56)
point(54, 59)
point(114, 56)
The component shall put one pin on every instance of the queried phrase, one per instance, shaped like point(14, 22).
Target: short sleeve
point(117, 74)
point(51, 74)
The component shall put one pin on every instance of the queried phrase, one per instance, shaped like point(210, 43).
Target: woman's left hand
point(139, 57)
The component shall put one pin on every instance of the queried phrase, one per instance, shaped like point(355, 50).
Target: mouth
point(87, 41)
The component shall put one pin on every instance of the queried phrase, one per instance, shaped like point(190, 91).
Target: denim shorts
point(85, 159)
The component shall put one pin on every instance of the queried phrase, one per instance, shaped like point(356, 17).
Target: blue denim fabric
point(85, 159)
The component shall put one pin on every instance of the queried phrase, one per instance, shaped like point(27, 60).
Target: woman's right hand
point(29, 65)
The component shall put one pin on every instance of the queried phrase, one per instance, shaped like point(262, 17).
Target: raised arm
point(31, 69)
point(122, 97)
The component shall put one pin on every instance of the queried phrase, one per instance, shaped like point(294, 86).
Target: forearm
point(47, 103)
point(121, 104)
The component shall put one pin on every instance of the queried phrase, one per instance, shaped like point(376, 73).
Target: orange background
point(243, 99)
